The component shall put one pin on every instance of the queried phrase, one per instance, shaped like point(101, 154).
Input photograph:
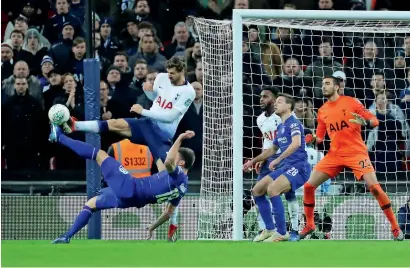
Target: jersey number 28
point(161, 198)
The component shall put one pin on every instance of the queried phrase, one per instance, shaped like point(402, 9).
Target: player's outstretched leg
point(278, 186)
point(316, 178)
point(119, 126)
point(83, 149)
point(385, 204)
point(258, 192)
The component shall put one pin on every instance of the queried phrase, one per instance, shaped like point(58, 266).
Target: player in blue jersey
point(124, 191)
point(290, 170)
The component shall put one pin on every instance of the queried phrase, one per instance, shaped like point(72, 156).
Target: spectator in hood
point(130, 37)
point(61, 51)
point(33, 51)
point(21, 24)
point(55, 24)
point(7, 62)
point(109, 43)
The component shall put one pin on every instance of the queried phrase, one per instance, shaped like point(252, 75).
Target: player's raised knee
point(92, 203)
point(117, 124)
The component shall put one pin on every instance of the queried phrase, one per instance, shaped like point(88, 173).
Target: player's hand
point(148, 86)
point(136, 108)
point(106, 115)
point(258, 167)
point(358, 119)
point(187, 135)
point(150, 233)
point(273, 164)
point(247, 167)
point(310, 138)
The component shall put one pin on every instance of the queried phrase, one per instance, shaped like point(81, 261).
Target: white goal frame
point(237, 119)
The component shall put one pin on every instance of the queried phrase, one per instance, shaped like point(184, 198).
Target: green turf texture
point(93, 253)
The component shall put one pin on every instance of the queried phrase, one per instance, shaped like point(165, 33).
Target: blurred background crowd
point(43, 49)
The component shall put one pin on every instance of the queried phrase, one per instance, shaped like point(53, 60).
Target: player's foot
point(294, 236)
point(69, 126)
point(172, 233)
point(54, 133)
point(61, 240)
point(307, 231)
point(265, 234)
point(277, 237)
point(398, 235)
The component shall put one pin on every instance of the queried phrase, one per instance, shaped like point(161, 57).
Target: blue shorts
point(145, 132)
point(265, 168)
point(297, 174)
point(121, 191)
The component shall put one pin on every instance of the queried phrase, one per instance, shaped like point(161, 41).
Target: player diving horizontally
point(123, 190)
point(290, 170)
point(268, 123)
point(342, 117)
point(171, 95)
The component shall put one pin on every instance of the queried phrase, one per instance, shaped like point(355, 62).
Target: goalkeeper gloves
point(358, 119)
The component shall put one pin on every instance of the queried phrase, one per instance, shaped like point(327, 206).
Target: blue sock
point(83, 149)
point(81, 221)
point(265, 211)
point(279, 213)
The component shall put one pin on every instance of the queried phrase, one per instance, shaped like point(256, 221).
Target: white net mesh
point(294, 56)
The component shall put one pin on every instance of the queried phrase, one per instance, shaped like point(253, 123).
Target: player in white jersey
point(268, 123)
point(171, 94)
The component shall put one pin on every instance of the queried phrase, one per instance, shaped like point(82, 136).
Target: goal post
point(221, 211)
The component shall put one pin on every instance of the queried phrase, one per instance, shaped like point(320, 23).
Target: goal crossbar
point(238, 19)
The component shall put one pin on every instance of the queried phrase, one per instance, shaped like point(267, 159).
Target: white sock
point(87, 126)
point(173, 218)
point(261, 223)
point(293, 209)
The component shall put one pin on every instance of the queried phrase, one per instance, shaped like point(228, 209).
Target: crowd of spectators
point(43, 49)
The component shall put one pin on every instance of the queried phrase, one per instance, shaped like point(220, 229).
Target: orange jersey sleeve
point(345, 137)
point(366, 114)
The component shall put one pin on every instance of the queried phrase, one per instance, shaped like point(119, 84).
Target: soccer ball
point(58, 114)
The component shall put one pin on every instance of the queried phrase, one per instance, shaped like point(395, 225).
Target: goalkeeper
point(342, 118)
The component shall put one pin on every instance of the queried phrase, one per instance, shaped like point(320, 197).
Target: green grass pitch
point(95, 253)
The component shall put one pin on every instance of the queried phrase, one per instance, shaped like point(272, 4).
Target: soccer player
point(124, 191)
point(268, 123)
point(290, 170)
point(342, 117)
point(171, 95)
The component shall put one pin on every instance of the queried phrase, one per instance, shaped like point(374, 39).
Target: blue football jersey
point(286, 130)
point(162, 187)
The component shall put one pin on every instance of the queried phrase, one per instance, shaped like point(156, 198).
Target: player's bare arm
point(261, 157)
point(296, 143)
point(170, 164)
point(169, 210)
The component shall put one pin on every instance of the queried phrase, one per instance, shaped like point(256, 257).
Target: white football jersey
point(170, 97)
point(314, 156)
point(268, 126)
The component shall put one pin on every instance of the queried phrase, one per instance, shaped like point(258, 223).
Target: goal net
point(293, 55)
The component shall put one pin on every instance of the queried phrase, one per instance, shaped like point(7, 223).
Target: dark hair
point(78, 40)
point(326, 40)
point(188, 156)
point(17, 32)
point(152, 70)
point(121, 53)
point(274, 90)
point(176, 62)
point(147, 25)
point(289, 100)
point(336, 81)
